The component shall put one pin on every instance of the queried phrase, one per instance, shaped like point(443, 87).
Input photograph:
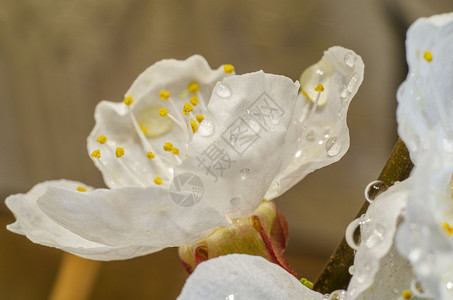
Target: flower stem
point(335, 275)
point(75, 279)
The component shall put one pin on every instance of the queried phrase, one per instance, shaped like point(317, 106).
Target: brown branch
point(75, 279)
point(335, 275)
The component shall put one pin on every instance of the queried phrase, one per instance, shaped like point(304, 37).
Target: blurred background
point(59, 58)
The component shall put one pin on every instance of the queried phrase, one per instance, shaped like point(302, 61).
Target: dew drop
point(298, 154)
point(351, 270)
point(310, 135)
point(395, 291)
point(338, 295)
point(223, 90)
point(349, 59)
point(230, 297)
point(332, 147)
point(353, 81)
point(325, 297)
point(373, 189)
point(206, 128)
point(235, 201)
point(244, 173)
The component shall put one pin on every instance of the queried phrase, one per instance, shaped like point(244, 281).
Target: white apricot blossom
point(189, 149)
point(406, 249)
point(241, 276)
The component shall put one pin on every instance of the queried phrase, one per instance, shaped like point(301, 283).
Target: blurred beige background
point(59, 58)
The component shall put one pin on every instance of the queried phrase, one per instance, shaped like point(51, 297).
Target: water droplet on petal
point(235, 201)
point(353, 81)
point(244, 173)
point(332, 147)
point(349, 59)
point(373, 189)
point(206, 128)
point(230, 297)
point(222, 90)
point(351, 270)
point(325, 297)
point(298, 153)
point(395, 290)
point(338, 295)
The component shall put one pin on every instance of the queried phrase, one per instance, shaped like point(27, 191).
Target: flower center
point(151, 122)
point(319, 73)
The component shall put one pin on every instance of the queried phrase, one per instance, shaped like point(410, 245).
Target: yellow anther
point(158, 180)
point(81, 189)
point(96, 154)
point(168, 147)
point(164, 95)
point(186, 155)
point(163, 111)
point(193, 87)
point(428, 56)
point(407, 295)
point(175, 151)
point(150, 155)
point(143, 129)
point(307, 283)
point(199, 118)
point(319, 88)
point(119, 152)
point(187, 108)
point(447, 228)
point(101, 139)
point(128, 101)
point(194, 126)
point(228, 69)
point(194, 100)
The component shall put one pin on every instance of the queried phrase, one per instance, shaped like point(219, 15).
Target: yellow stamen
point(228, 69)
point(187, 108)
point(193, 87)
point(81, 189)
point(164, 95)
point(168, 147)
point(407, 295)
point(175, 151)
point(158, 180)
point(199, 118)
point(194, 100)
point(163, 111)
point(119, 152)
point(150, 155)
point(307, 283)
point(128, 101)
point(194, 126)
point(447, 228)
point(101, 139)
point(319, 88)
point(428, 56)
point(96, 154)
point(142, 128)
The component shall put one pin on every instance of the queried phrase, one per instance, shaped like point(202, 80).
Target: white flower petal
point(425, 98)
point(114, 122)
point(239, 276)
point(39, 228)
point(130, 216)
point(378, 227)
point(420, 237)
point(248, 141)
point(321, 137)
